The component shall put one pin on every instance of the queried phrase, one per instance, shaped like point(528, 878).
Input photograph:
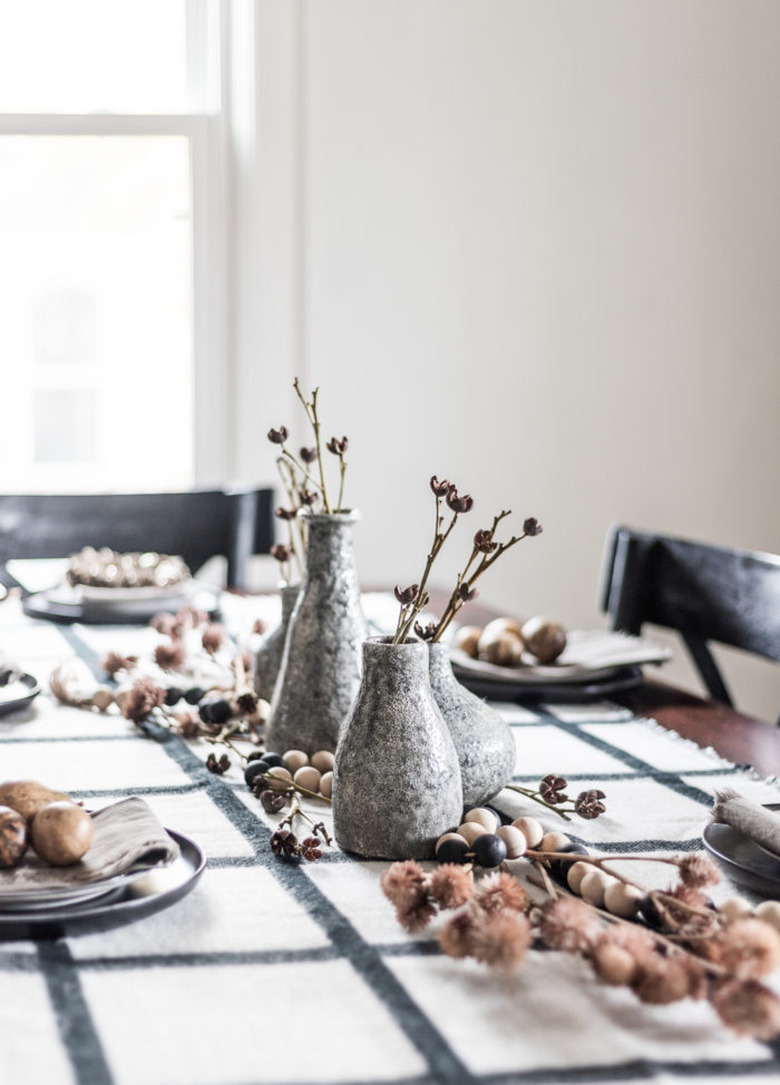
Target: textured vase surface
point(396, 785)
point(320, 670)
point(268, 658)
point(484, 741)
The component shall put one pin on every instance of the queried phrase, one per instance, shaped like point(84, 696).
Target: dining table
point(254, 967)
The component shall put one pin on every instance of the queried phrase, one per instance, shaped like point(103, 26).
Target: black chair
point(196, 525)
point(704, 592)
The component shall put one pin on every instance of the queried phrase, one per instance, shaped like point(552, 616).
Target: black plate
point(32, 688)
point(139, 898)
point(746, 862)
point(495, 689)
point(43, 605)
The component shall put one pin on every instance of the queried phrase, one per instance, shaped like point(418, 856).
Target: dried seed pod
point(501, 643)
point(544, 638)
point(467, 640)
point(13, 837)
point(61, 833)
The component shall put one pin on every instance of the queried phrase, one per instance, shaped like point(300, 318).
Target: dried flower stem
point(296, 531)
point(530, 793)
point(311, 414)
point(410, 612)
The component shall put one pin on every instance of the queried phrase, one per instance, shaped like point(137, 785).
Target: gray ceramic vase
point(268, 658)
point(484, 741)
point(320, 670)
point(396, 784)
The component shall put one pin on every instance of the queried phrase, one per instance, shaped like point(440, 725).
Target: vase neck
point(400, 663)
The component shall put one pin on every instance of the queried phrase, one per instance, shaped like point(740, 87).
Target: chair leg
point(708, 669)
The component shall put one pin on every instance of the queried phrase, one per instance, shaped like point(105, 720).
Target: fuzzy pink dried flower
point(661, 980)
point(568, 924)
point(501, 939)
point(749, 948)
point(452, 885)
point(500, 892)
point(115, 662)
point(613, 964)
point(748, 1007)
point(456, 935)
point(170, 656)
point(698, 871)
point(213, 637)
point(403, 883)
point(143, 696)
point(167, 624)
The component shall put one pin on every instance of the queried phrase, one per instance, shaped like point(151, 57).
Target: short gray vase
point(396, 779)
point(268, 658)
point(320, 670)
point(484, 741)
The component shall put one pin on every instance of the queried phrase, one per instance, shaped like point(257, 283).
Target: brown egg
point(467, 639)
point(544, 638)
point(61, 833)
point(501, 643)
point(27, 797)
point(13, 837)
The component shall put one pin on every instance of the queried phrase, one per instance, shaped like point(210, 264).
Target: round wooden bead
point(308, 777)
point(484, 816)
point(554, 841)
point(769, 911)
point(531, 829)
point(576, 873)
point(322, 760)
point(515, 841)
point(622, 899)
point(470, 830)
point(735, 908)
point(326, 784)
point(594, 886)
point(278, 773)
point(295, 759)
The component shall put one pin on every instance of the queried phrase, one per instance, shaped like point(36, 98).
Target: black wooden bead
point(452, 851)
point(273, 759)
point(559, 868)
point(255, 768)
point(173, 695)
point(489, 850)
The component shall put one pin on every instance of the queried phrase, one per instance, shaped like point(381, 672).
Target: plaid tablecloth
point(270, 971)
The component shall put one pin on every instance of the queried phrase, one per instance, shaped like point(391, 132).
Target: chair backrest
point(197, 525)
point(705, 592)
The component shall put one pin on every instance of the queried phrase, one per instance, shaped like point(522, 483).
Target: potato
point(27, 797)
point(13, 837)
point(61, 833)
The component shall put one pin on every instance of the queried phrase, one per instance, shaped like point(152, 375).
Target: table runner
point(271, 971)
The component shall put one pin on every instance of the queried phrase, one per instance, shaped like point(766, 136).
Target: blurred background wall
point(530, 246)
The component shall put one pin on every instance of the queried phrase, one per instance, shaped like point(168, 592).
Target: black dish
point(31, 689)
point(746, 862)
point(138, 898)
point(619, 680)
point(48, 605)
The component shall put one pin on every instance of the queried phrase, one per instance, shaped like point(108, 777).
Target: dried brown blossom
point(280, 552)
point(142, 698)
point(166, 624)
point(308, 455)
point(406, 885)
point(661, 980)
point(213, 637)
point(466, 594)
point(456, 935)
point(569, 924)
point(188, 725)
point(307, 497)
point(458, 503)
point(284, 842)
point(501, 939)
point(500, 892)
point(336, 446)
point(311, 848)
point(170, 656)
point(405, 596)
point(589, 804)
point(218, 765)
point(531, 526)
point(440, 489)
point(278, 436)
point(425, 632)
point(285, 514)
point(247, 702)
point(698, 871)
point(749, 948)
point(271, 802)
point(483, 541)
point(553, 789)
point(259, 626)
point(451, 885)
point(114, 662)
point(747, 1007)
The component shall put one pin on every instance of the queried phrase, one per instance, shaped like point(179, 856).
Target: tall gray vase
point(396, 785)
point(268, 658)
point(320, 671)
point(486, 748)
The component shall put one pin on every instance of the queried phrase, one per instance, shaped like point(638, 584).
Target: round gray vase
point(320, 671)
point(484, 741)
point(268, 658)
point(396, 783)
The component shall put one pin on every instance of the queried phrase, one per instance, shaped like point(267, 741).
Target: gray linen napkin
point(128, 836)
point(754, 821)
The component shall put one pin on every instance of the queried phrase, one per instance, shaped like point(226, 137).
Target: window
point(109, 266)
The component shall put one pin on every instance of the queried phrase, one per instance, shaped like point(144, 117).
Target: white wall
point(537, 251)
